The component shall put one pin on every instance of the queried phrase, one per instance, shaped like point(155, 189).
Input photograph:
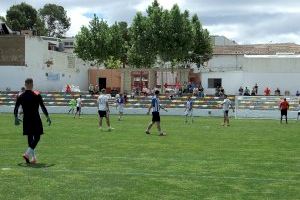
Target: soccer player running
point(226, 105)
point(284, 106)
point(32, 124)
point(72, 104)
point(120, 102)
point(103, 109)
point(189, 110)
point(155, 106)
point(78, 106)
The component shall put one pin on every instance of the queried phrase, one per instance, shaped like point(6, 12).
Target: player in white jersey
point(120, 102)
point(226, 105)
point(103, 109)
point(189, 110)
point(155, 106)
point(78, 106)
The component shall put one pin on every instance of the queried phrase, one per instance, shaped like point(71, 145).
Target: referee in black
point(32, 123)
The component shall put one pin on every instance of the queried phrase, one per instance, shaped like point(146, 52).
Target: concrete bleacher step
point(62, 99)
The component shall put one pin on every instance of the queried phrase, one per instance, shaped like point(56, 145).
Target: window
point(66, 43)
point(71, 43)
point(214, 82)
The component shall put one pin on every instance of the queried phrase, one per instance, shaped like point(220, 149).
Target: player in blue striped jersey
point(155, 106)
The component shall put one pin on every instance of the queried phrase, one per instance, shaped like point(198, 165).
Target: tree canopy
point(51, 20)
point(21, 17)
point(56, 20)
point(166, 35)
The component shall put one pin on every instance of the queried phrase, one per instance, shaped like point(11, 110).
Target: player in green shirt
point(72, 104)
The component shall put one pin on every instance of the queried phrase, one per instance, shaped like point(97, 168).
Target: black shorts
point(226, 113)
point(283, 112)
point(78, 109)
point(155, 117)
point(102, 113)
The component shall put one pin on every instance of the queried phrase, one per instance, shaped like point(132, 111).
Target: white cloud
point(167, 4)
point(77, 20)
point(244, 21)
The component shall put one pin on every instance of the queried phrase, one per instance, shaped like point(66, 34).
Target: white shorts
point(188, 113)
point(121, 108)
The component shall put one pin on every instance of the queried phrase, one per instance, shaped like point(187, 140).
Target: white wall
point(272, 64)
point(36, 54)
point(231, 81)
point(225, 62)
point(267, 71)
point(284, 81)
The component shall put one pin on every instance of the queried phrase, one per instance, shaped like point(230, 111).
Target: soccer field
point(251, 159)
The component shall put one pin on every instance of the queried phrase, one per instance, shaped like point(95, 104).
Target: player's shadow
point(37, 165)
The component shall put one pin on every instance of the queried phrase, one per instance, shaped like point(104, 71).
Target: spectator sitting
point(146, 91)
point(217, 92)
point(190, 88)
point(133, 92)
point(222, 90)
point(277, 92)
point(201, 91)
point(267, 91)
point(297, 93)
point(256, 88)
point(185, 87)
point(193, 85)
point(195, 91)
point(247, 92)
point(91, 89)
point(68, 89)
point(241, 91)
point(125, 97)
point(96, 89)
point(180, 92)
point(253, 92)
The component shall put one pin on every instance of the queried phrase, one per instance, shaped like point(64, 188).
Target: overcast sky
point(245, 21)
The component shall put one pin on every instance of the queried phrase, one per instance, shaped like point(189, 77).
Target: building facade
point(268, 65)
point(42, 59)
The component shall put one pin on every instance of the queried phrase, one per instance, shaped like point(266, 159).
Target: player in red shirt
point(284, 106)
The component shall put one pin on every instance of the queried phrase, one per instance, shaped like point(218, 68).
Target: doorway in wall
point(102, 83)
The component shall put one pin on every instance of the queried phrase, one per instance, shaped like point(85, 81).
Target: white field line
point(254, 150)
point(155, 174)
point(197, 161)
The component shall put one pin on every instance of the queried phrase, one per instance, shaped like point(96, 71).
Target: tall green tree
point(141, 53)
point(93, 42)
point(126, 42)
point(167, 35)
point(56, 20)
point(176, 35)
point(202, 48)
point(155, 25)
point(22, 17)
point(117, 43)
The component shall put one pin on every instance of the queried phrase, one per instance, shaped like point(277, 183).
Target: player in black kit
point(32, 123)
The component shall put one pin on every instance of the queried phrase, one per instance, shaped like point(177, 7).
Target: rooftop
point(258, 49)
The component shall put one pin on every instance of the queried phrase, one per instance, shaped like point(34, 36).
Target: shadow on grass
point(37, 165)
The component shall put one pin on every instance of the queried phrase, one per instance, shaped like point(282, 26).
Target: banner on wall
point(53, 76)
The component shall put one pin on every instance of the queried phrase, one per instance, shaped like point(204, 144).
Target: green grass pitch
point(251, 159)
